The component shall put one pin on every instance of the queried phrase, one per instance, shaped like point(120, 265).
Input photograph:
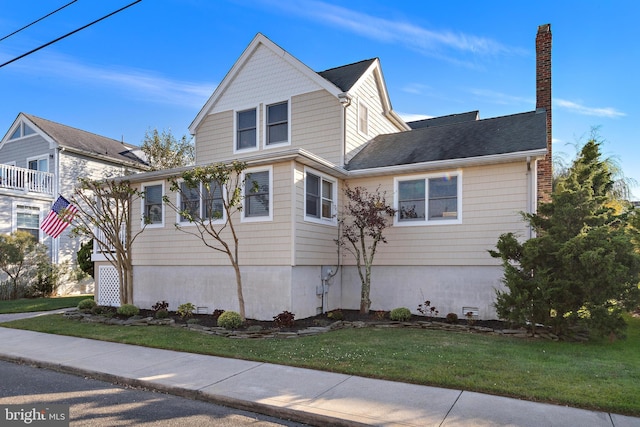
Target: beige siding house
point(458, 182)
point(41, 159)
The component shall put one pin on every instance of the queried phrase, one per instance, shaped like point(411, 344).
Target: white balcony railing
point(26, 180)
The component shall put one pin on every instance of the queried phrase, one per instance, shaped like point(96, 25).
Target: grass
point(597, 375)
point(26, 305)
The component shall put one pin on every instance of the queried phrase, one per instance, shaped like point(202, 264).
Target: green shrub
point(335, 314)
point(401, 314)
point(452, 318)
point(162, 314)
point(128, 310)
point(230, 320)
point(87, 304)
point(186, 309)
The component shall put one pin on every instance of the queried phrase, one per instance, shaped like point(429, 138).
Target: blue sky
point(155, 64)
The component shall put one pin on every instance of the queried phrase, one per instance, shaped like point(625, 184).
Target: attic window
point(363, 118)
point(21, 131)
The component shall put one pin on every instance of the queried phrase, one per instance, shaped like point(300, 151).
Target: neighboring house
point(41, 159)
point(458, 183)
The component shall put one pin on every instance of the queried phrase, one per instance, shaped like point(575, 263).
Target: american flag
point(59, 217)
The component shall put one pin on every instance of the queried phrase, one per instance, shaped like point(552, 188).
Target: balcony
point(26, 180)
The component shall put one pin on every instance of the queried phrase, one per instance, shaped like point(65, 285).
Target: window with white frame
point(277, 127)
point(363, 118)
point(28, 219)
point(22, 131)
point(320, 197)
point(257, 195)
point(212, 203)
point(246, 130)
point(38, 163)
point(189, 202)
point(428, 199)
point(153, 209)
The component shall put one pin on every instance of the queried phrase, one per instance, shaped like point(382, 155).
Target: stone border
point(310, 331)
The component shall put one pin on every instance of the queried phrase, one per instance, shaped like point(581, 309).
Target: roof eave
point(448, 164)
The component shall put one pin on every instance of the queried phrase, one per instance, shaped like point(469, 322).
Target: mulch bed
point(209, 320)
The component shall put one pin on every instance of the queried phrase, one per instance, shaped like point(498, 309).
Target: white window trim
point(21, 127)
point(362, 103)
point(235, 129)
point(14, 216)
point(38, 158)
point(427, 221)
point(327, 221)
point(265, 125)
point(142, 204)
point(258, 218)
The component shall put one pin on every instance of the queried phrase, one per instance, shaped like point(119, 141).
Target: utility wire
point(38, 20)
point(68, 34)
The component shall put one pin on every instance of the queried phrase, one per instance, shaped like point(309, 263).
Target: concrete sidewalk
point(312, 397)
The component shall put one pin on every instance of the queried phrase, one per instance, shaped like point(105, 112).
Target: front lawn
point(596, 375)
point(25, 305)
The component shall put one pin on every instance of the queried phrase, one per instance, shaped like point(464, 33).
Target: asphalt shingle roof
point(88, 142)
point(444, 120)
point(499, 135)
point(346, 76)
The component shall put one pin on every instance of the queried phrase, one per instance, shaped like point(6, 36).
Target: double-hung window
point(153, 208)
point(428, 199)
point(189, 202)
point(28, 219)
point(320, 196)
point(212, 203)
point(277, 127)
point(246, 130)
point(257, 195)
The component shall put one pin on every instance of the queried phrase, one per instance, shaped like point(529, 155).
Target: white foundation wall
point(448, 288)
point(267, 290)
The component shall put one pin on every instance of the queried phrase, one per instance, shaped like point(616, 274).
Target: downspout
point(530, 195)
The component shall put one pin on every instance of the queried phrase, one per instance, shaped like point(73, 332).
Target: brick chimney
point(543, 101)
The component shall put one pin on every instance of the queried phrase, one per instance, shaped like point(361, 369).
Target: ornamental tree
point(104, 215)
point(210, 198)
point(582, 267)
point(362, 223)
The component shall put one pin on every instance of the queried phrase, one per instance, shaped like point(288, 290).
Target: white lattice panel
point(108, 286)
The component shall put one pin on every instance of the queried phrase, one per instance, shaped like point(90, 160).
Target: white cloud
point(134, 83)
point(411, 36)
point(501, 98)
point(410, 117)
point(587, 111)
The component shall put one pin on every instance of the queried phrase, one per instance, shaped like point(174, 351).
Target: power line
point(68, 34)
point(37, 20)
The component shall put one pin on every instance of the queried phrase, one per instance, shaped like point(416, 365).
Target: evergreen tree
point(582, 268)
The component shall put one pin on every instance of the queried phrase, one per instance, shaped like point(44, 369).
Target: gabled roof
point(337, 81)
point(86, 142)
point(445, 120)
point(346, 76)
point(259, 40)
point(518, 133)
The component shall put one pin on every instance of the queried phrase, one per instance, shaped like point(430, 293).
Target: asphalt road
point(96, 403)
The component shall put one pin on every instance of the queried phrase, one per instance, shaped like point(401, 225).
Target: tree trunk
point(236, 267)
point(365, 294)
